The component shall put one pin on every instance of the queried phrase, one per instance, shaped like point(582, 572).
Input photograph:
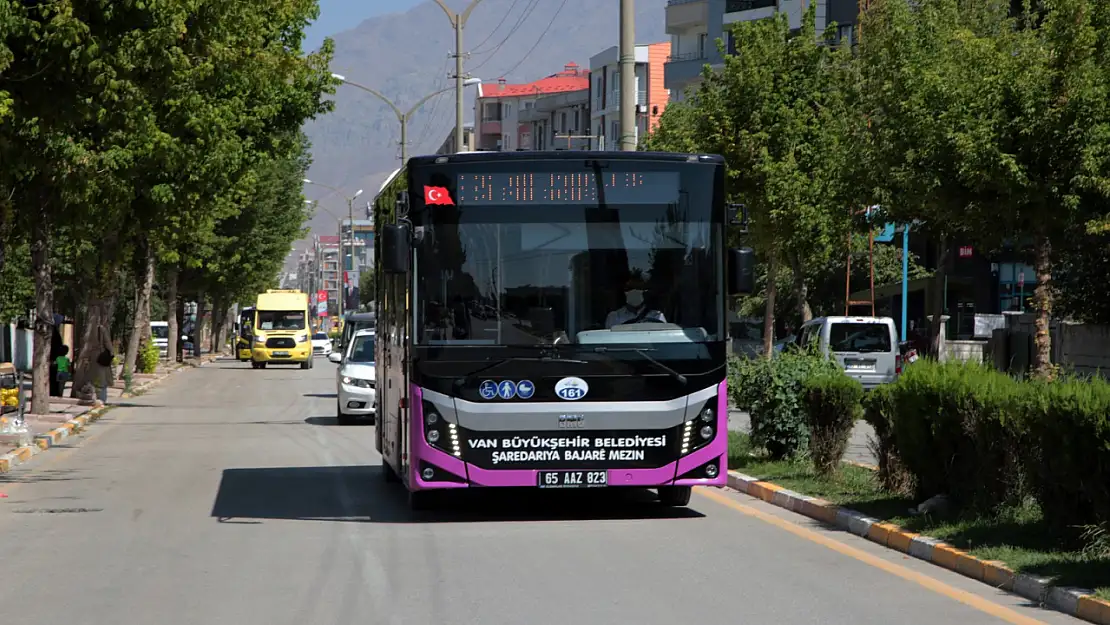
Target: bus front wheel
point(257, 365)
point(675, 496)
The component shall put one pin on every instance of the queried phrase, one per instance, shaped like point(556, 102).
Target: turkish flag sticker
point(437, 195)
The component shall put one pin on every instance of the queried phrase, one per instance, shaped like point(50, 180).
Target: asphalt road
point(228, 496)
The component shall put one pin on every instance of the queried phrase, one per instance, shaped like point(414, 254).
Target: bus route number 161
point(573, 479)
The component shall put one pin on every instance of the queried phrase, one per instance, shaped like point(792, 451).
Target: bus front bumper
point(302, 352)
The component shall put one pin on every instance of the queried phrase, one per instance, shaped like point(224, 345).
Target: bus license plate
point(280, 353)
point(573, 479)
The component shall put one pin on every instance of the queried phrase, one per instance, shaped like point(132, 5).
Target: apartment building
point(605, 92)
point(843, 12)
point(325, 250)
point(696, 25)
point(498, 107)
point(362, 258)
point(559, 121)
point(448, 145)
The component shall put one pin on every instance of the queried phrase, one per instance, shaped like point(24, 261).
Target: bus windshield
point(281, 320)
point(504, 272)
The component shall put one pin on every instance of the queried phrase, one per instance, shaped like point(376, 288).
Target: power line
point(520, 22)
point(538, 40)
point(504, 17)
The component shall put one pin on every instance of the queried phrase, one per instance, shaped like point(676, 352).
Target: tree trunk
point(219, 314)
point(141, 322)
point(769, 312)
point(198, 341)
point(801, 290)
point(44, 314)
point(172, 323)
point(935, 324)
point(1042, 297)
point(99, 312)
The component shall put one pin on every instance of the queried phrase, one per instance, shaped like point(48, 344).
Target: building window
point(702, 38)
point(563, 121)
point(845, 34)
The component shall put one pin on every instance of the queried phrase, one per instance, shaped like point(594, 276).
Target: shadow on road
point(360, 494)
point(333, 422)
point(320, 395)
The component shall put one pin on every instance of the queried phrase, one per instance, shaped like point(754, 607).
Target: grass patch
point(1016, 535)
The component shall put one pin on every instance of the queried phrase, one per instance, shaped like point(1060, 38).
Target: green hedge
point(879, 410)
point(1068, 451)
point(771, 391)
point(832, 402)
point(987, 439)
point(148, 357)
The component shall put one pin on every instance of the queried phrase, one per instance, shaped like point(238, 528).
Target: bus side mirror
point(741, 271)
point(396, 248)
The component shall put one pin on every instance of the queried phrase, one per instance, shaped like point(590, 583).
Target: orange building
point(605, 92)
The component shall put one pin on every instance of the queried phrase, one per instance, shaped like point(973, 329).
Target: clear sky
point(339, 15)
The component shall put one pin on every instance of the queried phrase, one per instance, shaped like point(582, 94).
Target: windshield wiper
point(601, 349)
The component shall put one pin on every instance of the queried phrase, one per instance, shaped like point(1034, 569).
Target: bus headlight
point(302, 338)
point(701, 430)
point(439, 433)
point(259, 339)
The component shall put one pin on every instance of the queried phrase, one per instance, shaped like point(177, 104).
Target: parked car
point(356, 394)
point(321, 344)
point(867, 347)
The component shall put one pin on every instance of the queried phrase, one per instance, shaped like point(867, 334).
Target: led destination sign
point(580, 187)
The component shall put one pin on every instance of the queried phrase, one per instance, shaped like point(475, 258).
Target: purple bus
point(555, 320)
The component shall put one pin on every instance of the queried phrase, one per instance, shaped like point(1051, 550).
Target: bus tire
point(388, 473)
point(304, 365)
point(675, 496)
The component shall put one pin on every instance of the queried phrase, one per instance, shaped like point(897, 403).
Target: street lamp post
point(351, 218)
point(458, 21)
point(403, 117)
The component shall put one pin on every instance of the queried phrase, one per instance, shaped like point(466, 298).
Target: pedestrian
point(62, 366)
point(56, 347)
point(102, 365)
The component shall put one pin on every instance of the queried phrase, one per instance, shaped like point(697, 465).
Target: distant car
point(321, 344)
point(356, 393)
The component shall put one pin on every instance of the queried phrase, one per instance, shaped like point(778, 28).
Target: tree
point(366, 288)
point(929, 85)
point(779, 115)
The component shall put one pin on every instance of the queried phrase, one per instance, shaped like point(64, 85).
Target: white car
point(355, 379)
point(321, 344)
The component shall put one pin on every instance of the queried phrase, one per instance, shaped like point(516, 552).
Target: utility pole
point(628, 75)
point(458, 22)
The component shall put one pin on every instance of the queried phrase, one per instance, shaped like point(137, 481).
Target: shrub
point(955, 427)
point(832, 402)
point(148, 357)
point(771, 392)
point(879, 409)
point(1068, 458)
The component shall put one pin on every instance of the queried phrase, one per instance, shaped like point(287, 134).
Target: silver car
point(354, 380)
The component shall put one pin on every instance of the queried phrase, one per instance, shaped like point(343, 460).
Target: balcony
point(747, 10)
point(680, 69)
point(684, 14)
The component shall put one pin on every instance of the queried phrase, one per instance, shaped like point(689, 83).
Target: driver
point(634, 310)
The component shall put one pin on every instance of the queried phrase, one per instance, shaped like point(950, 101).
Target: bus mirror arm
point(741, 271)
point(396, 248)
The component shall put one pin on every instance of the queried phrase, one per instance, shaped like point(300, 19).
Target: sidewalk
point(67, 415)
point(859, 449)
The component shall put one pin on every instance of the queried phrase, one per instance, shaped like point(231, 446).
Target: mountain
point(337, 15)
point(405, 57)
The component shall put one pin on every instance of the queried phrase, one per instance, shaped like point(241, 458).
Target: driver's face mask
point(634, 298)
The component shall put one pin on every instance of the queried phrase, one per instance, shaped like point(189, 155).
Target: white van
point(867, 347)
point(160, 332)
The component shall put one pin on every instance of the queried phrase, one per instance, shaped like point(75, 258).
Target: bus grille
point(280, 342)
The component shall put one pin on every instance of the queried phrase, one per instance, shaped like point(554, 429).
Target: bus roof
point(564, 155)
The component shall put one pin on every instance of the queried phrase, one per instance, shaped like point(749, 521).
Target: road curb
point(1076, 602)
